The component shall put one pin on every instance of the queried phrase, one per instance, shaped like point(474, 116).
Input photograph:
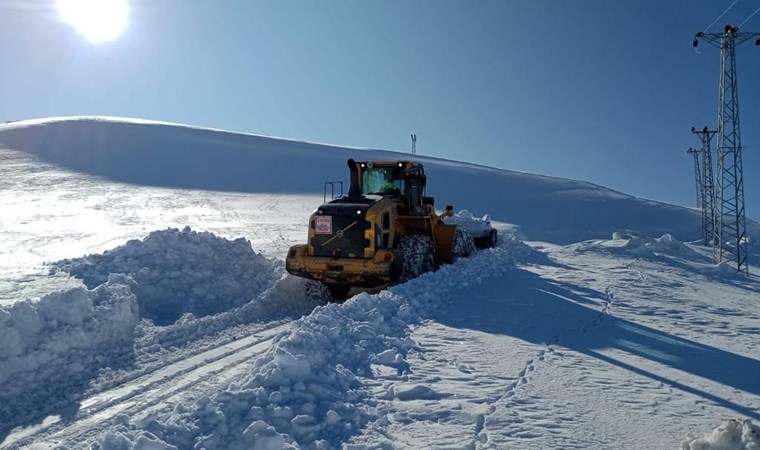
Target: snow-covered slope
point(194, 338)
point(160, 154)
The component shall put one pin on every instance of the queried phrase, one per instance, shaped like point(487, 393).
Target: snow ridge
point(305, 392)
point(78, 339)
point(730, 435)
point(181, 272)
point(60, 342)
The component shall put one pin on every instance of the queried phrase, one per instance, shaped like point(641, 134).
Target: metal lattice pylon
point(698, 177)
point(730, 234)
point(706, 185)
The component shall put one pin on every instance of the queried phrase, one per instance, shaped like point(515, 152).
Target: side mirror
point(449, 207)
point(423, 181)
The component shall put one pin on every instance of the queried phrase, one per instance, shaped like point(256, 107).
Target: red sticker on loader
point(323, 225)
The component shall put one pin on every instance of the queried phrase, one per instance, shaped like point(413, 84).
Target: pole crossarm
point(716, 39)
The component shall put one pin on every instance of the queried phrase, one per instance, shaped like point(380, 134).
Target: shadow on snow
point(533, 309)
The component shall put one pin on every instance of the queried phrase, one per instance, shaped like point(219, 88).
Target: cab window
point(382, 180)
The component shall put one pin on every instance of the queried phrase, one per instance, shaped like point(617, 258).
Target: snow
point(306, 385)
point(476, 226)
point(61, 341)
point(180, 157)
point(730, 435)
point(596, 322)
point(181, 272)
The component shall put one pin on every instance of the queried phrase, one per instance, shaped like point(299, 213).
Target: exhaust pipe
point(354, 190)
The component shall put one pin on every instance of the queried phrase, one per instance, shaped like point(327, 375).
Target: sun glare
point(96, 20)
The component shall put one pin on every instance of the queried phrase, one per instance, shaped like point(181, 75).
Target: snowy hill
point(589, 328)
point(166, 155)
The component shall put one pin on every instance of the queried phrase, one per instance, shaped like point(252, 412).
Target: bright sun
point(96, 20)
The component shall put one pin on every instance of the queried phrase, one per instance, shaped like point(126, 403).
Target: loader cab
point(403, 181)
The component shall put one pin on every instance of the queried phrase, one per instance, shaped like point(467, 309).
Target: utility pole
point(707, 185)
point(414, 144)
point(730, 236)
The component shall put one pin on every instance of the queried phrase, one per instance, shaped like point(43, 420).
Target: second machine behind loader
point(385, 230)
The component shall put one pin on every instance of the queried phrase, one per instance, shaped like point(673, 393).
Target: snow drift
point(133, 151)
point(181, 272)
point(57, 344)
point(304, 392)
point(54, 347)
point(730, 435)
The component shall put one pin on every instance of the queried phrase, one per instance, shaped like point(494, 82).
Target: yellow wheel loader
point(385, 230)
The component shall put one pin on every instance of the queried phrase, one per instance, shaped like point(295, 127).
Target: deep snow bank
point(50, 348)
point(730, 435)
point(644, 246)
point(306, 391)
point(180, 272)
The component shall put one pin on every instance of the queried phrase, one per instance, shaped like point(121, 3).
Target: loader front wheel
point(416, 255)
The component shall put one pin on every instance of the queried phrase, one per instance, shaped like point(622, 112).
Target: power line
point(721, 15)
point(750, 16)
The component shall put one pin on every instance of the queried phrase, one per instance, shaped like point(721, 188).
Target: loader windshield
point(382, 181)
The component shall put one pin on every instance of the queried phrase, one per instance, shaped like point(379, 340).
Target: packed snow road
point(153, 393)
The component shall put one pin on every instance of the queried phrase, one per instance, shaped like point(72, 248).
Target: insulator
point(757, 42)
point(695, 43)
point(700, 34)
point(727, 28)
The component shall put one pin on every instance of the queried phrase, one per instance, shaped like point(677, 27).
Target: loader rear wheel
point(339, 292)
point(322, 293)
point(416, 254)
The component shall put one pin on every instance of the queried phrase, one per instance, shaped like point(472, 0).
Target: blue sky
point(598, 90)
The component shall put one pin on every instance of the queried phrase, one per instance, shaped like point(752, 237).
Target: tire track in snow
point(148, 392)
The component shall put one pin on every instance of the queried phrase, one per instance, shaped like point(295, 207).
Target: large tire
point(317, 292)
point(464, 244)
point(494, 239)
point(339, 292)
point(488, 241)
point(321, 293)
point(416, 255)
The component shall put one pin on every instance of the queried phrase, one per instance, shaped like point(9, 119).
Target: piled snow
point(180, 272)
point(55, 347)
point(305, 392)
point(730, 435)
point(644, 246)
point(476, 226)
point(285, 299)
point(49, 348)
